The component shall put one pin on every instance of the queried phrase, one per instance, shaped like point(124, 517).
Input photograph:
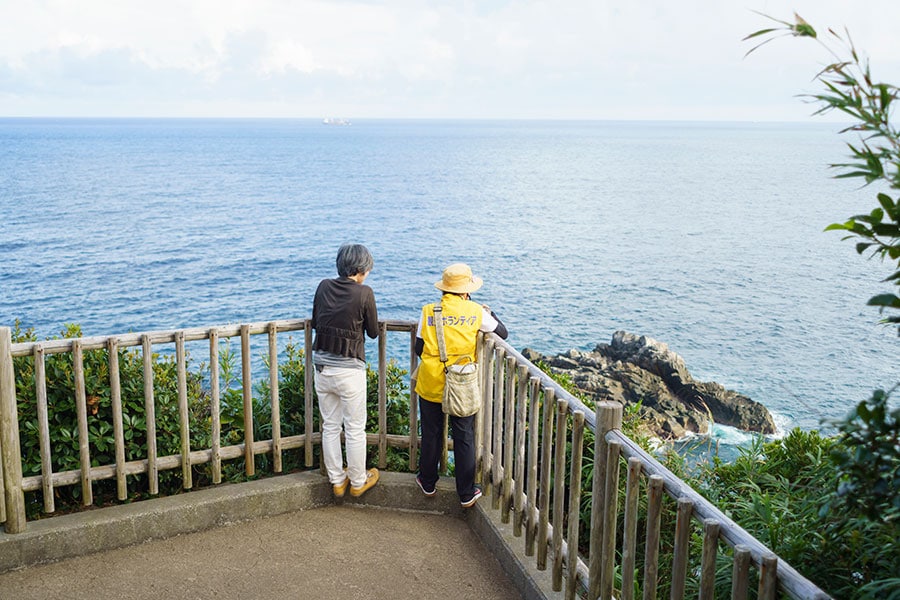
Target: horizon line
point(365, 119)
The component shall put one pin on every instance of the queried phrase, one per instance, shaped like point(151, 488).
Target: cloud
point(578, 59)
point(288, 55)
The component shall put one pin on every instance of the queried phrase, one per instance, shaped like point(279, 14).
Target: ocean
point(706, 236)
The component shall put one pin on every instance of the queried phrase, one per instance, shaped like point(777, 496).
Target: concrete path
point(345, 551)
point(339, 552)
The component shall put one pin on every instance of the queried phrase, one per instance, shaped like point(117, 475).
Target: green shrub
point(784, 494)
point(61, 412)
point(868, 459)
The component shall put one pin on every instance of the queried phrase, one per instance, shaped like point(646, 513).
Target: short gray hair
point(353, 259)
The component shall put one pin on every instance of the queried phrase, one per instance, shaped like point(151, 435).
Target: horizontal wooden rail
point(193, 334)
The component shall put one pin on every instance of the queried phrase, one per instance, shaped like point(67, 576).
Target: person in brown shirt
point(343, 312)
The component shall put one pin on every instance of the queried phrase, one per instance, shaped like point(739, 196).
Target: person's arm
point(490, 323)
point(315, 308)
point(420, 343)
point(501, 328)
point(370, 318)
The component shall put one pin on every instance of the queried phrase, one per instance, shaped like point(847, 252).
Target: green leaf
point(760, 32)
point(802, 28)
point(865, 174)
point(886, 96)
point(886, 230)
point(862, 230)
point(839, 226)
point(888, 300)
point(889, 206)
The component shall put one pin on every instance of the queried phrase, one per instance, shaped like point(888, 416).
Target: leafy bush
point(60, 385)
point(784, 494)
point(868, 459)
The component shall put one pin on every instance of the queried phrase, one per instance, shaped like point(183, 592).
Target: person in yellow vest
point(462, 320)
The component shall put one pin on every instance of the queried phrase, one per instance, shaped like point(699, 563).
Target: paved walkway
point(338, 552)
point(346, 551)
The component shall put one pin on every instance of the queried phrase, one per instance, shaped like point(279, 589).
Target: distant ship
point(335, 121)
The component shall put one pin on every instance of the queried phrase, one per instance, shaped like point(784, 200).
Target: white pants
point(342, 402)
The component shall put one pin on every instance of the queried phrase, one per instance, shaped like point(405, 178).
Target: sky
point(357, 59)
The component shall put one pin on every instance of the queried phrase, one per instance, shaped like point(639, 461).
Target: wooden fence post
point(497, 432)
point(651, 544)
point(184, 414)
point(531, 503)
point(247, 388)
point(9, 439)
point(682, 547)
point(768, 577)
point(308, 386)
point(574, 503)
point(214, 405)
point(485, 464)
point(740, 573)
point(275, 397)
point(509, 430)
point(382, 396)
point(629, 534)
point(115, 397)
point(559, 474)
point(414, 408)
point(610, 510)
point(519, 490)
point(608, 417)
point(546, 460)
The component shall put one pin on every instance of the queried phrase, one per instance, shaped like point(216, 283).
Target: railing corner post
point(10, 449)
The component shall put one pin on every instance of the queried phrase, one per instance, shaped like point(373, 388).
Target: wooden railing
point(530, 451)
point(16, 485)
point(528, 422)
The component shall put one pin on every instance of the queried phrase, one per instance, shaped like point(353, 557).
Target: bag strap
point(442, 349)
point(439, 329)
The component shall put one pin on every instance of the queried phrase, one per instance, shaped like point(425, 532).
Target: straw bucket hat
point(458, 279)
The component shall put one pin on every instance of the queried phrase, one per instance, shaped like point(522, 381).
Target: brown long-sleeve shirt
point(343, 311)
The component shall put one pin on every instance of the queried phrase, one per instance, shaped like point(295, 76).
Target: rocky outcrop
point(637, 369)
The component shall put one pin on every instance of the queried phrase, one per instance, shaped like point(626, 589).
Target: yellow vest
point(462, 320)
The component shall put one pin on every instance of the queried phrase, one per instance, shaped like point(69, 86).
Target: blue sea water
point(705, 236)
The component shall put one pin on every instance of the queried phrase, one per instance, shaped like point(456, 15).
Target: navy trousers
point(463, 432)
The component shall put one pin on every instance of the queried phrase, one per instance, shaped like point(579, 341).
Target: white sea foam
point(783, 424)
point(731, 436)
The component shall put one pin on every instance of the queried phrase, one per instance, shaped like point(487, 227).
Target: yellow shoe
point(340, 488)
point(371, 479)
